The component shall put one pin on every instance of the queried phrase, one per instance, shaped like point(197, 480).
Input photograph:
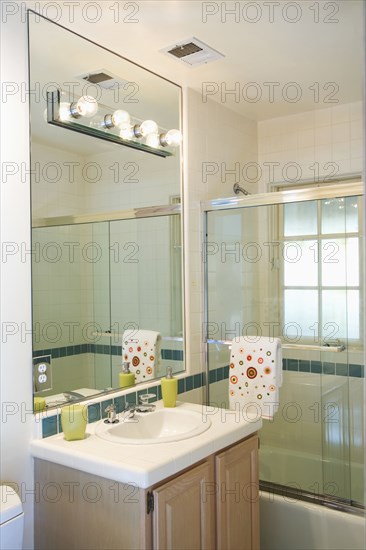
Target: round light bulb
point(64, 111)
point(87, 106)
point(148, 127)
point(120, 118)
point(97, 122)
point(153, 140)
point(173, 138)
point(126, 131)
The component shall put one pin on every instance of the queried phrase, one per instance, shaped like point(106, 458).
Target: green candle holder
point(74, 419)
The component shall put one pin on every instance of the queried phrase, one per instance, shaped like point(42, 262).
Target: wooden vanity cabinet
point(237, 501)
point(214, 505)
point(75, 510)
point(184, 510)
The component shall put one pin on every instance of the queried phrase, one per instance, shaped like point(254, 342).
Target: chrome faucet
point(73, 395)
point(111, 415)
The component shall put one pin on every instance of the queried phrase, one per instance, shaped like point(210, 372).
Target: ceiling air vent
point(104, 79)
point(192, 52)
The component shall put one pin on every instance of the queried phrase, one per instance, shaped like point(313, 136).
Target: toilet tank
point(11, 519)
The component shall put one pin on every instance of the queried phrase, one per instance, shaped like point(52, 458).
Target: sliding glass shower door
point(292, 270)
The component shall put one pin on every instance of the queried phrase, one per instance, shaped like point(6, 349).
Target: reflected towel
point(141, 348)
point(255, 375)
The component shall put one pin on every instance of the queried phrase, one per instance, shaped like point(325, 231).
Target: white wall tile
point(331, 135)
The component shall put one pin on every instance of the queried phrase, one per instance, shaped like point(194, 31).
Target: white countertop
point(145, 465)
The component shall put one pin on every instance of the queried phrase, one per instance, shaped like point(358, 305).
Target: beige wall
point(216, 136)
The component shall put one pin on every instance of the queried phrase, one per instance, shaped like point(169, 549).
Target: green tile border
point(50, 425)
point(300, 365)
point(102, 349)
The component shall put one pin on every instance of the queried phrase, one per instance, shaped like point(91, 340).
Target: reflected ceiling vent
point(104, 79)
point(192, 52)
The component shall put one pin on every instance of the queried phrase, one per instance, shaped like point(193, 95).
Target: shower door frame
point(344, 188)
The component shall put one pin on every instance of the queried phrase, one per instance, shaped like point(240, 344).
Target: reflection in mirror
point(99, 280)
point(107, 250)
point(86, 116)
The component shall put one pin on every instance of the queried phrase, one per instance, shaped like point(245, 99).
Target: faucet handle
point(130, 410)
point(146, 406)
point(112, 414)
point(145, 398)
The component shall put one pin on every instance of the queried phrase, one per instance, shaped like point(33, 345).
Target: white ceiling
point(328, 52)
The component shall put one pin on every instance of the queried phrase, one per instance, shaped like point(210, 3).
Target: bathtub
point(289, 523)
point(299, 525)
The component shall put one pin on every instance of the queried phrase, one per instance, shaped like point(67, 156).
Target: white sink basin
point(160, 426)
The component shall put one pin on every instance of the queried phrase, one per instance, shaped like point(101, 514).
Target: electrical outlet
point(42, 373)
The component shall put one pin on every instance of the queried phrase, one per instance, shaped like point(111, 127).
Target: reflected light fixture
point(126, 131)
point(144, 136)
point(119, 118)
point(145, 128)
point(153, 140)
point(172, 138)
point(86, 107)
point(65, 113)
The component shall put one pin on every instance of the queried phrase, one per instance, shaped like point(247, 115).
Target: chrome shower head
point(237, 189)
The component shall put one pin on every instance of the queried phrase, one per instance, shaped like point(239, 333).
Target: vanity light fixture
point(143, 136)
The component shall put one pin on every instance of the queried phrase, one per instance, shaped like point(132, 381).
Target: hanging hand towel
point(255, 375)
point(141, 348)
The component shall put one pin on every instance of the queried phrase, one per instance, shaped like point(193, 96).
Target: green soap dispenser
point(169, 389)
point(126, 378)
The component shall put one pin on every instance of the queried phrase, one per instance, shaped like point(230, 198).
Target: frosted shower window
point(340, 215)
point(342, 308)
point(300, 219)
point(340, 262)
point(321, 274)
point(296, 316)
point(301, 270)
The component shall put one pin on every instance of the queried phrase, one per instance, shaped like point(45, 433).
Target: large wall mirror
point(106, 214)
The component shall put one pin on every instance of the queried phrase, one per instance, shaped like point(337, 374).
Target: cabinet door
point(237, 501)
point(184, 511)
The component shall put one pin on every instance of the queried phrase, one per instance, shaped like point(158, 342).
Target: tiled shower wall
point(312, 145)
